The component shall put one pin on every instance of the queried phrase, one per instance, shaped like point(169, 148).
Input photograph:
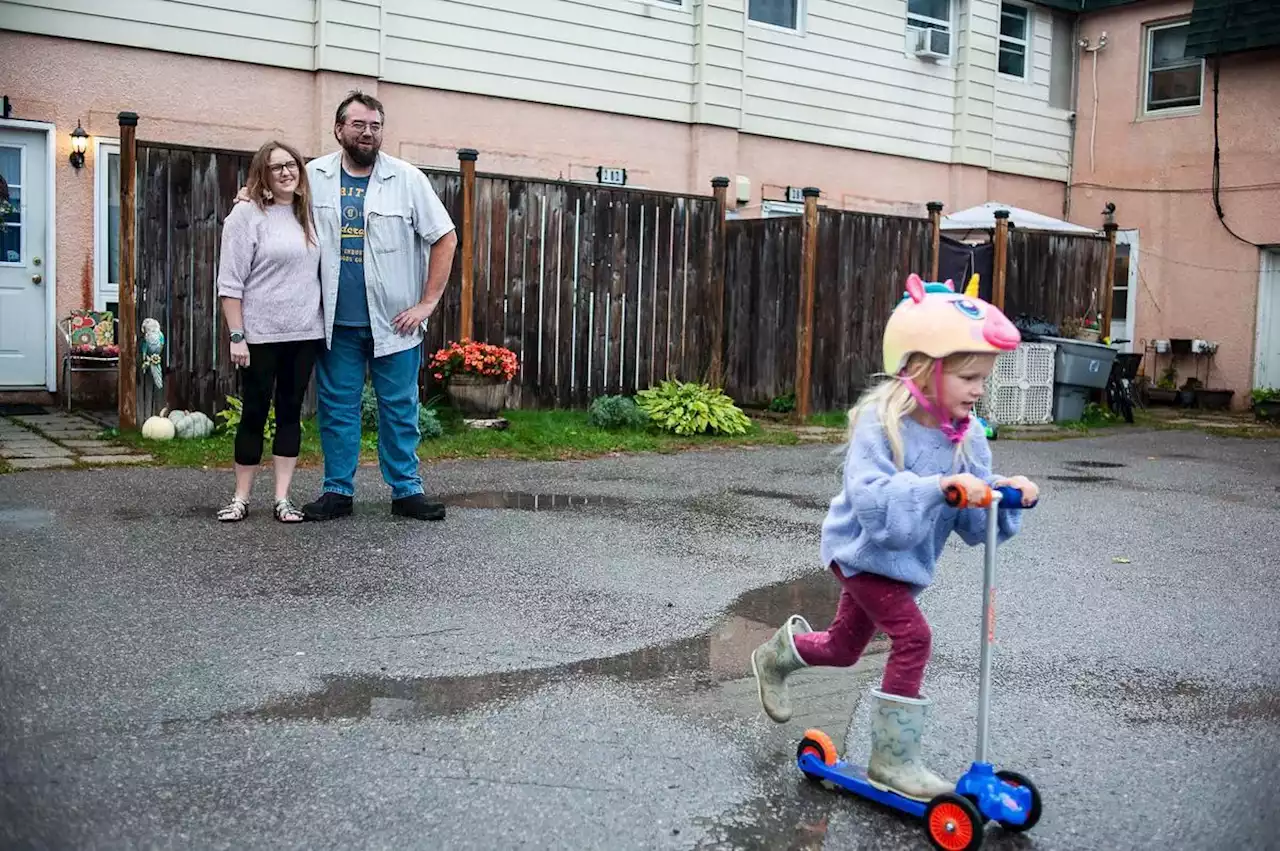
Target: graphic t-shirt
point(353, 304)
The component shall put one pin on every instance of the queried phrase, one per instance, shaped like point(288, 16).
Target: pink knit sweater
point(267, 264)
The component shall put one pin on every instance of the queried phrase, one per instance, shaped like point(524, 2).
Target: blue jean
point(340, 373)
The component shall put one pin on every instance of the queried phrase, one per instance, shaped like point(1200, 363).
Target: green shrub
point(428, 418)
point(231, 415)
point(616, 412)
point(686, 407)
point(783, 404)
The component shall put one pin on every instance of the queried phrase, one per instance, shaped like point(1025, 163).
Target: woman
point(269, 282)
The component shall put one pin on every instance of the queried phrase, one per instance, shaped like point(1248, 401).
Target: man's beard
point(358, 156)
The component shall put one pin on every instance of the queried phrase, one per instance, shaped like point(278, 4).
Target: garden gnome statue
point(152, 346)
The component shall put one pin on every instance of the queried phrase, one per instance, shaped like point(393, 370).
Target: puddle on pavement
point(1098, 465)
point(520, 501)
point(794, 499)
point(25, 518)
point(718, 655)
point(1080, 479)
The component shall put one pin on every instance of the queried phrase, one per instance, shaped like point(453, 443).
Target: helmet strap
point(953, 429)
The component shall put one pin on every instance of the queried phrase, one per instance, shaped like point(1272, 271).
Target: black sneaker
point(328, 506)
point(418, 507)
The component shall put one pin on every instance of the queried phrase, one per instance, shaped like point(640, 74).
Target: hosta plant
point(686, 407)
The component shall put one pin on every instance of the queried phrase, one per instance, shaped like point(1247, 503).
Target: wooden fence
point(862, 263)
point(1054, 276)
point(599, 290)
point(596, 290)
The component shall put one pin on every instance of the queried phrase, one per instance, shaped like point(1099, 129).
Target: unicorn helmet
point(937, 321)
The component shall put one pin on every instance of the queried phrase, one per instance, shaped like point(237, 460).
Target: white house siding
point(1031, 137)
point(267, 32)
point(845, 79)
point(622, 56)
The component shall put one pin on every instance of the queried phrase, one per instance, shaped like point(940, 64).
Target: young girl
point(909, 438)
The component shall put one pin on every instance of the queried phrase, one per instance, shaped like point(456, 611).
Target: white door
point(24, 328)
point(1266, 371)
point(1124, 299)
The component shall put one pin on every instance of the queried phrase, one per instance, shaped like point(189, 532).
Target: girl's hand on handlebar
point(1030, 490)
point(975, 489)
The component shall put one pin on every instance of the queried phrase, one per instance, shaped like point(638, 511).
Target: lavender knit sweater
point(267, 264)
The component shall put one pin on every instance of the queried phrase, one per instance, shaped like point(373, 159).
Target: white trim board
point(51, 236)
point(101, 148)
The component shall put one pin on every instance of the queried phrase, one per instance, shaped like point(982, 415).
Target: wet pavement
point(563, 662)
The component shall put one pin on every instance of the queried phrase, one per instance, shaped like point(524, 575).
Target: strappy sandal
point(235, 510)
point(287, 512)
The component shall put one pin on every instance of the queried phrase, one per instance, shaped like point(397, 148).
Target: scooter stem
point(988, 622)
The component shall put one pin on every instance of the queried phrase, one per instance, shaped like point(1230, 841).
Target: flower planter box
point(1267, 410)
point(1214, 400)
point(478, 395)
point(1161, 396)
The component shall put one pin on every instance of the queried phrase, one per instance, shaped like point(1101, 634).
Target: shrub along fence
point(597, 289)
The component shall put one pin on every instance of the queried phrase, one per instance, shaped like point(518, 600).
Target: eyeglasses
point(361, 126)
point(279, 168)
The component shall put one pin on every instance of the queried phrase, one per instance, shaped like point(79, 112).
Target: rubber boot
point(897, 728)
point(772, 662)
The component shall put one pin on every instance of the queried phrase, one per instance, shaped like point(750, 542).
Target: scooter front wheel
point(819, 744)
point(1013, 778)
point(953, 823)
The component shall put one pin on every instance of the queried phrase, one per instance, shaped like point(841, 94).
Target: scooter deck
point(853, 778)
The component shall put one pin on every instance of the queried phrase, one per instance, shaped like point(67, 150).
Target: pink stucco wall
point(1197, 280)
point(207, 102)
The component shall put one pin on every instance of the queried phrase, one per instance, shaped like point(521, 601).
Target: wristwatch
point(237, 336)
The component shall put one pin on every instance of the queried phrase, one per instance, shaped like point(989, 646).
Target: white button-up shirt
point(403, 219)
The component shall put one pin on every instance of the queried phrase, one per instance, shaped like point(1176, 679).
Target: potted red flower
point(476, 375)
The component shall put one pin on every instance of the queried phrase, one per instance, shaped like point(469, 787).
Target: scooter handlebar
point(957, 497)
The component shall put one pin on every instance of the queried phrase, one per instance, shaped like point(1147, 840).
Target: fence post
point(1000, 258)
point(467, 165)
point(127, 380)
point(719, 189)
point(935, 225)
point(1109, 280)
point(808, 275)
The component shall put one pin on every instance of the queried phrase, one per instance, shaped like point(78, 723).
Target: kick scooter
point(954, 821)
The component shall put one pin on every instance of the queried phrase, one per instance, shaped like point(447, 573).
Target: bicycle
point(1121, 398)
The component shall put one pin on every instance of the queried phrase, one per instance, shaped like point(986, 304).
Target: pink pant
point(869, 601)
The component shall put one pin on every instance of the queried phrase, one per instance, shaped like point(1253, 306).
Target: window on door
point(1120, 289)
point(12, 167)
point(106, 227)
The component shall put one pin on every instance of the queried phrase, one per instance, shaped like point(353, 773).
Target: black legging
point(286, 368)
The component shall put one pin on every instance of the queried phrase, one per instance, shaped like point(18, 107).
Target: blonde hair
point(892, 402)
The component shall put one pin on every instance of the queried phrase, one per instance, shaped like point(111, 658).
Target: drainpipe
point(1075, 124)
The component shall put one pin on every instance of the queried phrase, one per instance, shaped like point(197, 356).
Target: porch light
point(79, 144)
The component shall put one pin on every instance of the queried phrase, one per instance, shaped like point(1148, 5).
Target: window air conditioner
point(930, 43)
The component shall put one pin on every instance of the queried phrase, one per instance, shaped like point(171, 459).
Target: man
point(377, 220)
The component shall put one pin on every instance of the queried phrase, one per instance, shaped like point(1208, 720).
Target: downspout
point(1075, 105)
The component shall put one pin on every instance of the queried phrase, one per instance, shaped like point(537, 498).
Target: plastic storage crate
point(1020, 387)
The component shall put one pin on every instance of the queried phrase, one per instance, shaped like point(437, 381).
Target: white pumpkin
point(194, 425)
point(158, 428)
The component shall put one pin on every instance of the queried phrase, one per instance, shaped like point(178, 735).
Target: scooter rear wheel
point(953, 823)
point(1015, 779)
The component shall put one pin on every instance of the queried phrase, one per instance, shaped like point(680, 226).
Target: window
point(778, 13)
point(1120, 288)
point(931, 15)
point(1173, 79)
point(11, 169)
point(106, 224)
point(1061, 61)
point(1015, 34)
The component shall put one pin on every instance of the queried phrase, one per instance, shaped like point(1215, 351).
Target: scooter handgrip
point(955, 496)
point(1013, 497)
